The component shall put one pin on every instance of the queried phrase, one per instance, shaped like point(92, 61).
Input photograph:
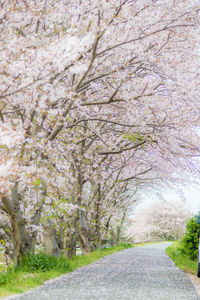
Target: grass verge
point(16, 281)
point(83, 260)
point(150, 243)
point(181, 260)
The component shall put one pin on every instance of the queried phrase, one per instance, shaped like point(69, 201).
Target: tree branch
point(122, 150)
point(59, 127)
point(143, 37)
point(135, 176)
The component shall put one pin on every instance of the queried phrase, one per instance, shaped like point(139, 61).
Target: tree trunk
point(119, 228)
point(85, 244)
point(23, 242)
point(97, 218)
point(113, 241)
point(70, 250)
point(83, 236)
point(51, 240)
point(71, 241)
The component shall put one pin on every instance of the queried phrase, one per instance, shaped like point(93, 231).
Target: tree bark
point(119, 228)
point(85, 243)
point(23, 242)
point(113, 240)
point(97, 217)
point(70, 250)
point(71, 239)
point(51, 240)
point(83, 236)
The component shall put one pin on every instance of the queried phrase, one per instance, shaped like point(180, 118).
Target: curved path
point(140, 273)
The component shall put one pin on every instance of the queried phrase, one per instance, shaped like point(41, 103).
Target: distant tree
point(160, 220)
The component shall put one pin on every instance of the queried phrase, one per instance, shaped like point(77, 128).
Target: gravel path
point(140, 273)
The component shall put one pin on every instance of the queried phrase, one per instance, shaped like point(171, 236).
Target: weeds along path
point(137, 273)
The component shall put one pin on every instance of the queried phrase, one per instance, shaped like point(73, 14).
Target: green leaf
point(37, 182)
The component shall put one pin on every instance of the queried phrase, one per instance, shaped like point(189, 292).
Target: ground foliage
point(182, 260)
point(42, 262)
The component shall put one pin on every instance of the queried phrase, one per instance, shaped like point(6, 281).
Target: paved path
point(140, 273)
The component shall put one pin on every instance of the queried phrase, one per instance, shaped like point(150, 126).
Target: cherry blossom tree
point(94, 95)
point(160, 219)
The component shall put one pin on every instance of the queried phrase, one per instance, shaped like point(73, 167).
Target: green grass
point(150, 243)
point(18, 281)
point(182, 261)
point(83, 260)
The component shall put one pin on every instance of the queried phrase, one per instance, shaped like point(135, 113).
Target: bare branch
point(79, 85)
point(143, 37)
point(122, 150)
point(59, 127)
point(110, 100)
point(135, 176)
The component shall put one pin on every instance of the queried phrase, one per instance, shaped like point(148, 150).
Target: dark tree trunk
point(70, 250)
point(97, 218)
point(113, 240)
point(23, 242)
point(119, 228)
point(83, 236)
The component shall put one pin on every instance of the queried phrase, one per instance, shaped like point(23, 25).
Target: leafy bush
point(126, 245)
point(43, 262)
point(189, 243)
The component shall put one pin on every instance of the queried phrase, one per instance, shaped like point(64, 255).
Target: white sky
point(190, 196)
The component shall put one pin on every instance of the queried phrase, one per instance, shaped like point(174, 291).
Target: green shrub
point(189, 243)
point(42, 262)
point(126, 245)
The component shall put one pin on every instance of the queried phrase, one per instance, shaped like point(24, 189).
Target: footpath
point(139, 273)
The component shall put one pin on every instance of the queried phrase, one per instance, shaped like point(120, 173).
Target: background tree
point(160, 220)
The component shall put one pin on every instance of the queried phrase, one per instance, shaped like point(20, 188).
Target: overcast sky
point(190, 195)
point(193, 199)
